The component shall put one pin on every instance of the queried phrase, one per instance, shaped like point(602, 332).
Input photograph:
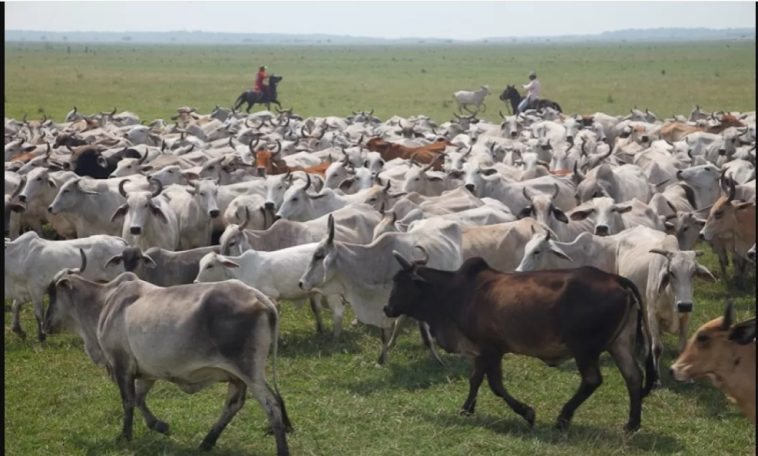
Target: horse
point(252, 97)
point(511, 94)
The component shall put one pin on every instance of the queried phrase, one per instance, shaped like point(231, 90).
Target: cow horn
point(20, 187)
point(142, 159)
point(431, 163)
point(84, 261)
point(121, 189)
point(732, 190)
point(666, 253)
point(405, 264)
point(360, 140)
point(726, 323)
point(555, 192)
point(330, 224)
point(48, 150)
point(371, 113)
point(471, 147)
point(307, 181)
point(247, 219)
point(387, 187)
point(501, 114)
point(525, 191)
point(425, 258)
point(230, 142)
point(113, 112)
point(278, 147)
point(413, 159)
point(159, 188)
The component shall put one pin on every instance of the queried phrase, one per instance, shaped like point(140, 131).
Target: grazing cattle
point(149, 220)
point(160, 266)
point(31, 263)
point(611, 218)
point(276, 274)
point(725, 353)
point(465, 98)
point(422, 154)
point(733, 220)
point(363, 273)
point(550, 315)
point(191, 335)
point(355, 224)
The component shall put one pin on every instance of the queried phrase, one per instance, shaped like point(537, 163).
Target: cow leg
point(338, 313)
point(385, 346)
point(474, 381)
point(426, 337)
point(495, 380)
point(317, 314)
point(126, 387)
point(656, 345)
point(274, 408)
point(395, 330)
point(235, 399)
point(723, 263)
point(141, 388)
point(591, 378)
point(739, 272)
point(39, 309)
point(16, 323)
point(622, 351)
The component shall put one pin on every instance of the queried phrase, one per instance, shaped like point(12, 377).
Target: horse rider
point(532, 91)
point(260, 78)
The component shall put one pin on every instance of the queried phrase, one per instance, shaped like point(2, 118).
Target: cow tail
point(644, 339)
point(273, 321)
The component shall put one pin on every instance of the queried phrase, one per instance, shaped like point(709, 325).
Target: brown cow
point(725, 354)
point(423, 154)
point(552, 315)
point(270, 163)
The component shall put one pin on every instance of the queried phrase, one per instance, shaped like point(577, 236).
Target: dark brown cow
point(423, 154)
point(552, 315)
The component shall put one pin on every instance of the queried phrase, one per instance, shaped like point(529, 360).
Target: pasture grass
point(58, 402)
point(153, 81)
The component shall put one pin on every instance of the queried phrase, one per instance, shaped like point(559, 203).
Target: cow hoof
point(160, 426)
point(529, 416)
point(123, 438)
point(631, 428)
point(206, 445)
point(41, 337)
point(466, 412)
point(19, 332)
point(562, 424)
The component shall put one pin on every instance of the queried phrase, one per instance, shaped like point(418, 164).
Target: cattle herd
point(167, 246)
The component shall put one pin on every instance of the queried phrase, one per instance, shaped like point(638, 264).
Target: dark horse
point(252, 97)
point(511, 94)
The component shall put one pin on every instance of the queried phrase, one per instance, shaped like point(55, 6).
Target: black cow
point(551, 315)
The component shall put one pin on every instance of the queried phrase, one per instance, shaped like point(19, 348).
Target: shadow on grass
point(308, 343)
point(419, 373)
point(578, 434)
point(149, 442)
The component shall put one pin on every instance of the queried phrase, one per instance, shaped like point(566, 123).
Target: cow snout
point(722, 152)
point(214, 213)
point(601, 230)
point(514, 134)
point(751, 255)
point(570, 138)
point(261, 172)
point(22, 198)
point(701, 235)
point(300, 284)
point(135, 230)
point(679, 175)
point(645, 138)
point(470, 187)
point(50, 209)
point(684, 307)
point(268, 205)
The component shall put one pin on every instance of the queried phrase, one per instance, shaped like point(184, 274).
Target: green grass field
point(154, 81)
point(341, 403)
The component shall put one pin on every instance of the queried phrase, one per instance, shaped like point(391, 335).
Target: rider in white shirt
point(532, 91)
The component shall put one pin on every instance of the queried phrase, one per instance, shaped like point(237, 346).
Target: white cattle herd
point(125, 224)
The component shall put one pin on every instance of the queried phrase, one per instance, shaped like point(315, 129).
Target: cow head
point(607, 215)
point(723, 219)
point(417, 179)
point(679, 269)
point(205, 192)
point(139, 207)
point(215, 268)
point(541, 207)
point(685, 226)
point(476, 178)
point(321, 268)
point(408, 286)
point(132, 258)
point(276, 187)
point(128, 166)
point(538, 250)
point(712, 348)
point(70, 195)
point(297, 202)
point(233, 240)
point(59, 313)
point(37, 182)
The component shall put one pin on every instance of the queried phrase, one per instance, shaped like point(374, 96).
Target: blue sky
point(457, 20)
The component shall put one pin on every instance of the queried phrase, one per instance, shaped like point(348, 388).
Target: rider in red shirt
point(260, 77)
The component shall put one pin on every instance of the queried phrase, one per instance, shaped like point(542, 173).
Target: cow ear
point(229, 263)
point(120, 212)
point(64, 283)
point(580, 215)
point(434, 178)
point(525, 212)
point(346, 184)
point(664, 279)
point(102, 161)
point(742, 204)
point(115, 260)
point(51, 183)
point(670, 227)
point(149, 261)
point(455, 174)
point(743, 333)
point(15, 207)
point(489, 171)
point(156, 211)
point(560, 215)
point(704, 273)
point(622, 208)
point(560, 253)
